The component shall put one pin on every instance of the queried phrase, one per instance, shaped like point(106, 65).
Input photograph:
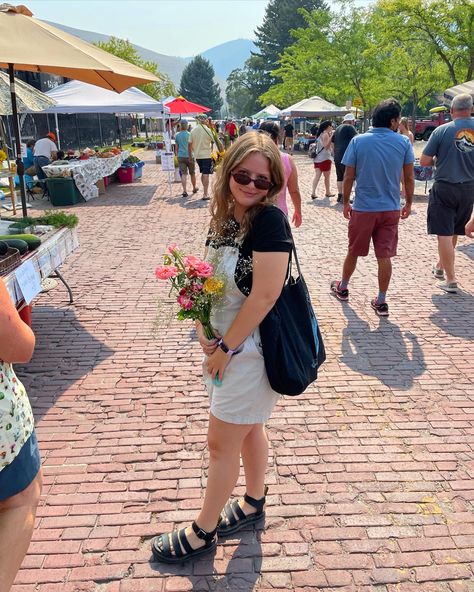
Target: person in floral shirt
point(20, 472)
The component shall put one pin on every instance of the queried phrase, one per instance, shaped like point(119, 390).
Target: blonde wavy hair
point(222, 203)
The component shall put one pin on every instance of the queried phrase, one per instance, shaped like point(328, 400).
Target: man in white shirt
point(44, 152)
point(200, 145)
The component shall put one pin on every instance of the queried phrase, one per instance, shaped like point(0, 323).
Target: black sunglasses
point(244, 179)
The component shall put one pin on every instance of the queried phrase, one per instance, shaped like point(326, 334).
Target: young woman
point(20, 474)
point(249, 244)
point(322, 159)
point(404, 129)
point(291, 175)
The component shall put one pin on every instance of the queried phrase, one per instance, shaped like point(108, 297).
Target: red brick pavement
point(371, 473)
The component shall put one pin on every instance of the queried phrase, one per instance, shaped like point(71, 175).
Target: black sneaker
point(339, 294)
point(185, 194)
point(380, 309)
point(339, 198)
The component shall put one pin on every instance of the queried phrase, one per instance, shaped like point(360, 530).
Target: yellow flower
point(213, 286)
point(3, 155)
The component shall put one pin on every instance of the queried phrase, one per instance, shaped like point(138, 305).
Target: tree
point(244, 86)
point(122, 48)
point(274, 35)
point(197, 85)
point(334, 56)
point(414, 75)
point(444, 28)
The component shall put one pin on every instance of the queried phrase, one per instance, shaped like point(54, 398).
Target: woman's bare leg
point(327, 182)
point(255, 460)
point(17, 520)
point(224, 442)
point(317, 176)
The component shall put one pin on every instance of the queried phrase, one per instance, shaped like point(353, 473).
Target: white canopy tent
point(80, 97)
point(267, 112)
point(465, 87)
point(314, 107)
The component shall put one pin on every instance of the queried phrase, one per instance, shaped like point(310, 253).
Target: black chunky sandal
point(176, 555)
point(233, 517)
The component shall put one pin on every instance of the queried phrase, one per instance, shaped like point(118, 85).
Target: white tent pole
point(57, 130)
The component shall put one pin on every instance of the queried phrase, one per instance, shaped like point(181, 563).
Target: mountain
point(224, 57)
point(228, 56)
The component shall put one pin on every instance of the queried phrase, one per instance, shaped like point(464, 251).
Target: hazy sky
point(173, 27)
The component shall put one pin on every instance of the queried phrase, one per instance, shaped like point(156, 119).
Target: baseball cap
point(51, 135)
point(349, 117)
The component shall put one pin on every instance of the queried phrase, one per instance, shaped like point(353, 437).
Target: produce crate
point(63, 191)
point(139, 169)
point(126, 174)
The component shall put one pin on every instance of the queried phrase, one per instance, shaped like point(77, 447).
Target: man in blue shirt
point(452, 195)
point(185, 162)
point(376, 160)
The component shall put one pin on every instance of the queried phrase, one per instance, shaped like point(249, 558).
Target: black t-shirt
point(270, 232)
point(341, 139)
point(289, 130)
point(314, 129)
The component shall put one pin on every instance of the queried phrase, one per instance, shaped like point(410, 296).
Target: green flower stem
point(208, 331)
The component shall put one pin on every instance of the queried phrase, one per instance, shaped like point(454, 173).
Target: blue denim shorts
point(16, 476)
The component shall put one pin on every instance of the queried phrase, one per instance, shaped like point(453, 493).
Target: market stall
point(86, 173)
point(314, 107)
point(24, 281)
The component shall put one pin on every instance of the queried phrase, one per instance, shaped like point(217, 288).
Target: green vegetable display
point(32, 241)
point(131, 160)
point(49, 218)
point(21, 245)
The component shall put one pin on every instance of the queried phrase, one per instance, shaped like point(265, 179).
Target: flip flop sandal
point(234, 519)
point(166, 554)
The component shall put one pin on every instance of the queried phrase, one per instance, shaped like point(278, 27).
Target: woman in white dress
point(249, 244)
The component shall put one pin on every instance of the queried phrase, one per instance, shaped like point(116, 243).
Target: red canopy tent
point(180, 106)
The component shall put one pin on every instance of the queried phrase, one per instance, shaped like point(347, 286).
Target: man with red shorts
point(376, 160)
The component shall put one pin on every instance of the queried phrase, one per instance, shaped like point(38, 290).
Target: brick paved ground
point(371, 474)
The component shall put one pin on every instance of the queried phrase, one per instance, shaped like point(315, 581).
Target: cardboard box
point(100, 186)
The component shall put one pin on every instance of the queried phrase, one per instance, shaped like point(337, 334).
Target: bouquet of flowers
point(196, 287)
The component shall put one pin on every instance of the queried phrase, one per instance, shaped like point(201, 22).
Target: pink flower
point(204, 269)
point(165, 272)
point(172, 248)
point(191, 261)
point(185, 302)
point(196, 287)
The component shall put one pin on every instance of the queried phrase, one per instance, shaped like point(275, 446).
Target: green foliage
point(122, 48)
point(444, 28)
point(274, 35)
point(334, 56)
point(410, 49)
point(131, 159)
point(54, 218)
point(197, 85)
point(244, 86)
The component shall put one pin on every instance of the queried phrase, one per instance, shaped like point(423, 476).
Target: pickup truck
point(425, 126)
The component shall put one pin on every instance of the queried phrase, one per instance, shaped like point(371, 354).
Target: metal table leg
point(58, 275)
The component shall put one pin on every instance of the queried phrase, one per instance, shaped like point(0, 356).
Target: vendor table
point(87, 172)
point(46, 259)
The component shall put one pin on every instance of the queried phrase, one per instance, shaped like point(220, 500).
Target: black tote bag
point(292, 344)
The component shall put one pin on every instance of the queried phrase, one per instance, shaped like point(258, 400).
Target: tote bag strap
point(293, 251)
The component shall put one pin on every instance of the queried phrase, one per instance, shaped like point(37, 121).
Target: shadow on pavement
point(454, 314)
point(467, 250)
point(395, 358)
point(65, 352)
point(242, 573)
point(133, 194)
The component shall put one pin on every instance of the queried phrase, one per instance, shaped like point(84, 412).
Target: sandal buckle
point(200, 533)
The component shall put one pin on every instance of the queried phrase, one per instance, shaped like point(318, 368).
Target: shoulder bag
point(292, 344)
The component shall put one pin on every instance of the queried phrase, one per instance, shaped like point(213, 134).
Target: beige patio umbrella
point(29, 44)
